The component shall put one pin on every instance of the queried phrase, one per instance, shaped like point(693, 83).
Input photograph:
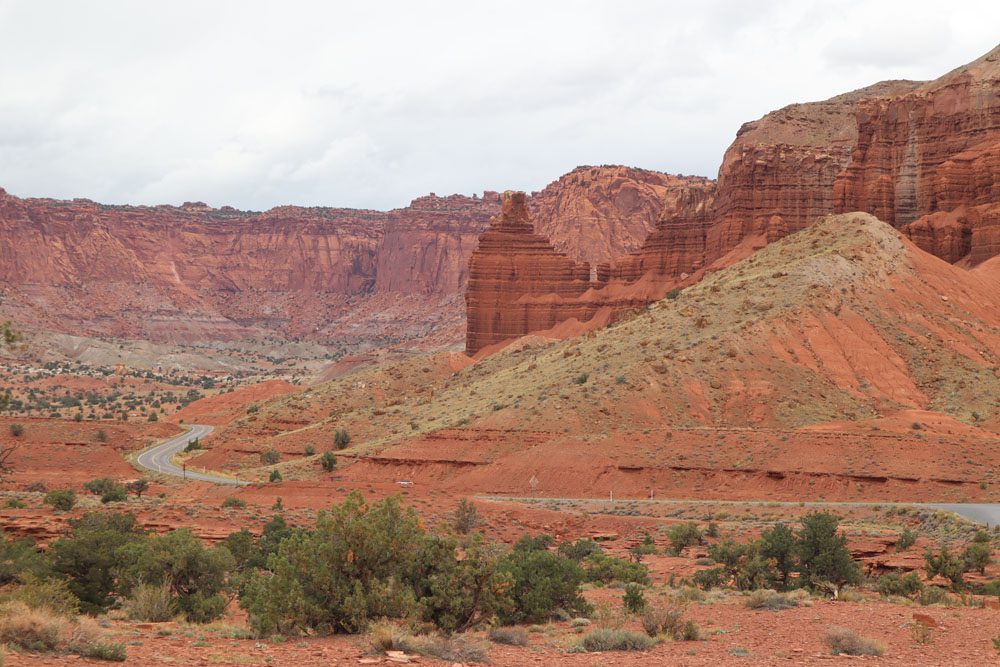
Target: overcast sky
point(369, 104)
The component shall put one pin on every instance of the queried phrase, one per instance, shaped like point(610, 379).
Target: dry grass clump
point(605, 639)
point(667, 622)
point(151, 604)
point(771, 600)
point(848, 642)
point(384, 636)
point(510, 636)
point(43, 630)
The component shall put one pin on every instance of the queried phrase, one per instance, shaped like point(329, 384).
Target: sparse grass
point(44, 631)
point(848, 642)
point(771, 600)
point(605, 639)
point(512, 636)
point(151, 604)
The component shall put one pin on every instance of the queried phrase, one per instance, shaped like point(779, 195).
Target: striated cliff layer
point(194, 273)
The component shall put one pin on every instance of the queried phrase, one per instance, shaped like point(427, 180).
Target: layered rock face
point(596, 214)
point(929, 162)
point(510, 267)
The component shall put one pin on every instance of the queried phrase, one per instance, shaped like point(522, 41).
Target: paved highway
point(158, 458)
point(988, 514)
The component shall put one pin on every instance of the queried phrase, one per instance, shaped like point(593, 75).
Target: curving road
point(988, 514)
point(159, 458)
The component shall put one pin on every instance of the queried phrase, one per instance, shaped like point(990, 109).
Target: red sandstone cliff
point(177, 274)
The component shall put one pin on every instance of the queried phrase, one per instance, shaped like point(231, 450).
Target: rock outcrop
point(511, 267)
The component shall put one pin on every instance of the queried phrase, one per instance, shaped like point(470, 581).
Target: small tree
point(138, 487)
point(466, 517)
point(978, 556)
point(153, 417)
point(906, 539)
point(946, 565)
point(328, 461)
point(634, 600)
point(824, 560)
point(683, 535)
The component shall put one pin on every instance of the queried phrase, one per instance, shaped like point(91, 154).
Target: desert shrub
point(907, 585)
point(580, 549)
point(62, 500)
point(947, 565)
point(196, 575)
point(906, 539)
point(341, 438)
point(512, 636)
point(151, 603)
point(666, 621)
point(466, 517)
point(715, 577)
point(932, 595)
point(742, 564)
point(328, 461)
point(823, 557)
point(102, 650)
point(601, 568)
point(540, 542)
point(270, 457)
point(16, 430)
point(309, 450)
point(770, 600)
point(100, 486)
point(52, 595)
point(541, 582)
point(352, 567)
point(193, 445)
point(605, 639)
point(19, 557)
point(712, 530)
point(581, 379)
point(153, 417)
point(87, 557)
point(234, 502)
point(645, 548)
point(102, 435)
point(116, 494)
point(275, 476)
point(15, 504)
point(683, 535)
point(634, 600)
point(848, 642)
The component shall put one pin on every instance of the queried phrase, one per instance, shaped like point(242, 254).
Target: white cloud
point(255, 103)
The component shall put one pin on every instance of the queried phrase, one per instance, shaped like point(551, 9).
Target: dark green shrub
point(115, 494)
point(580, 549)
point(601, 568)
point(328, 461)
point(275, 476)
point(540, 542)
point(193, 445)
point(19, 557)
point(16, 430)
point(581, 379)
point(270, 457)
point(234, 502)
point(110, 651)
point(87, 557)
point(743, 564)
point(102, 435)
point(195, 575)
point(978, 556)
point(823, 557)
point(634, 600)
point(715, 577)
point(683, 535)
point(309, 450)
point(908, 585)
point(138, 487)
point(541, 582)
point(932, 595)
point(778, 545)
point(62, 500)
point(946, 565)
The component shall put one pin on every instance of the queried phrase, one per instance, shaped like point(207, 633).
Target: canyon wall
point(195, 273)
